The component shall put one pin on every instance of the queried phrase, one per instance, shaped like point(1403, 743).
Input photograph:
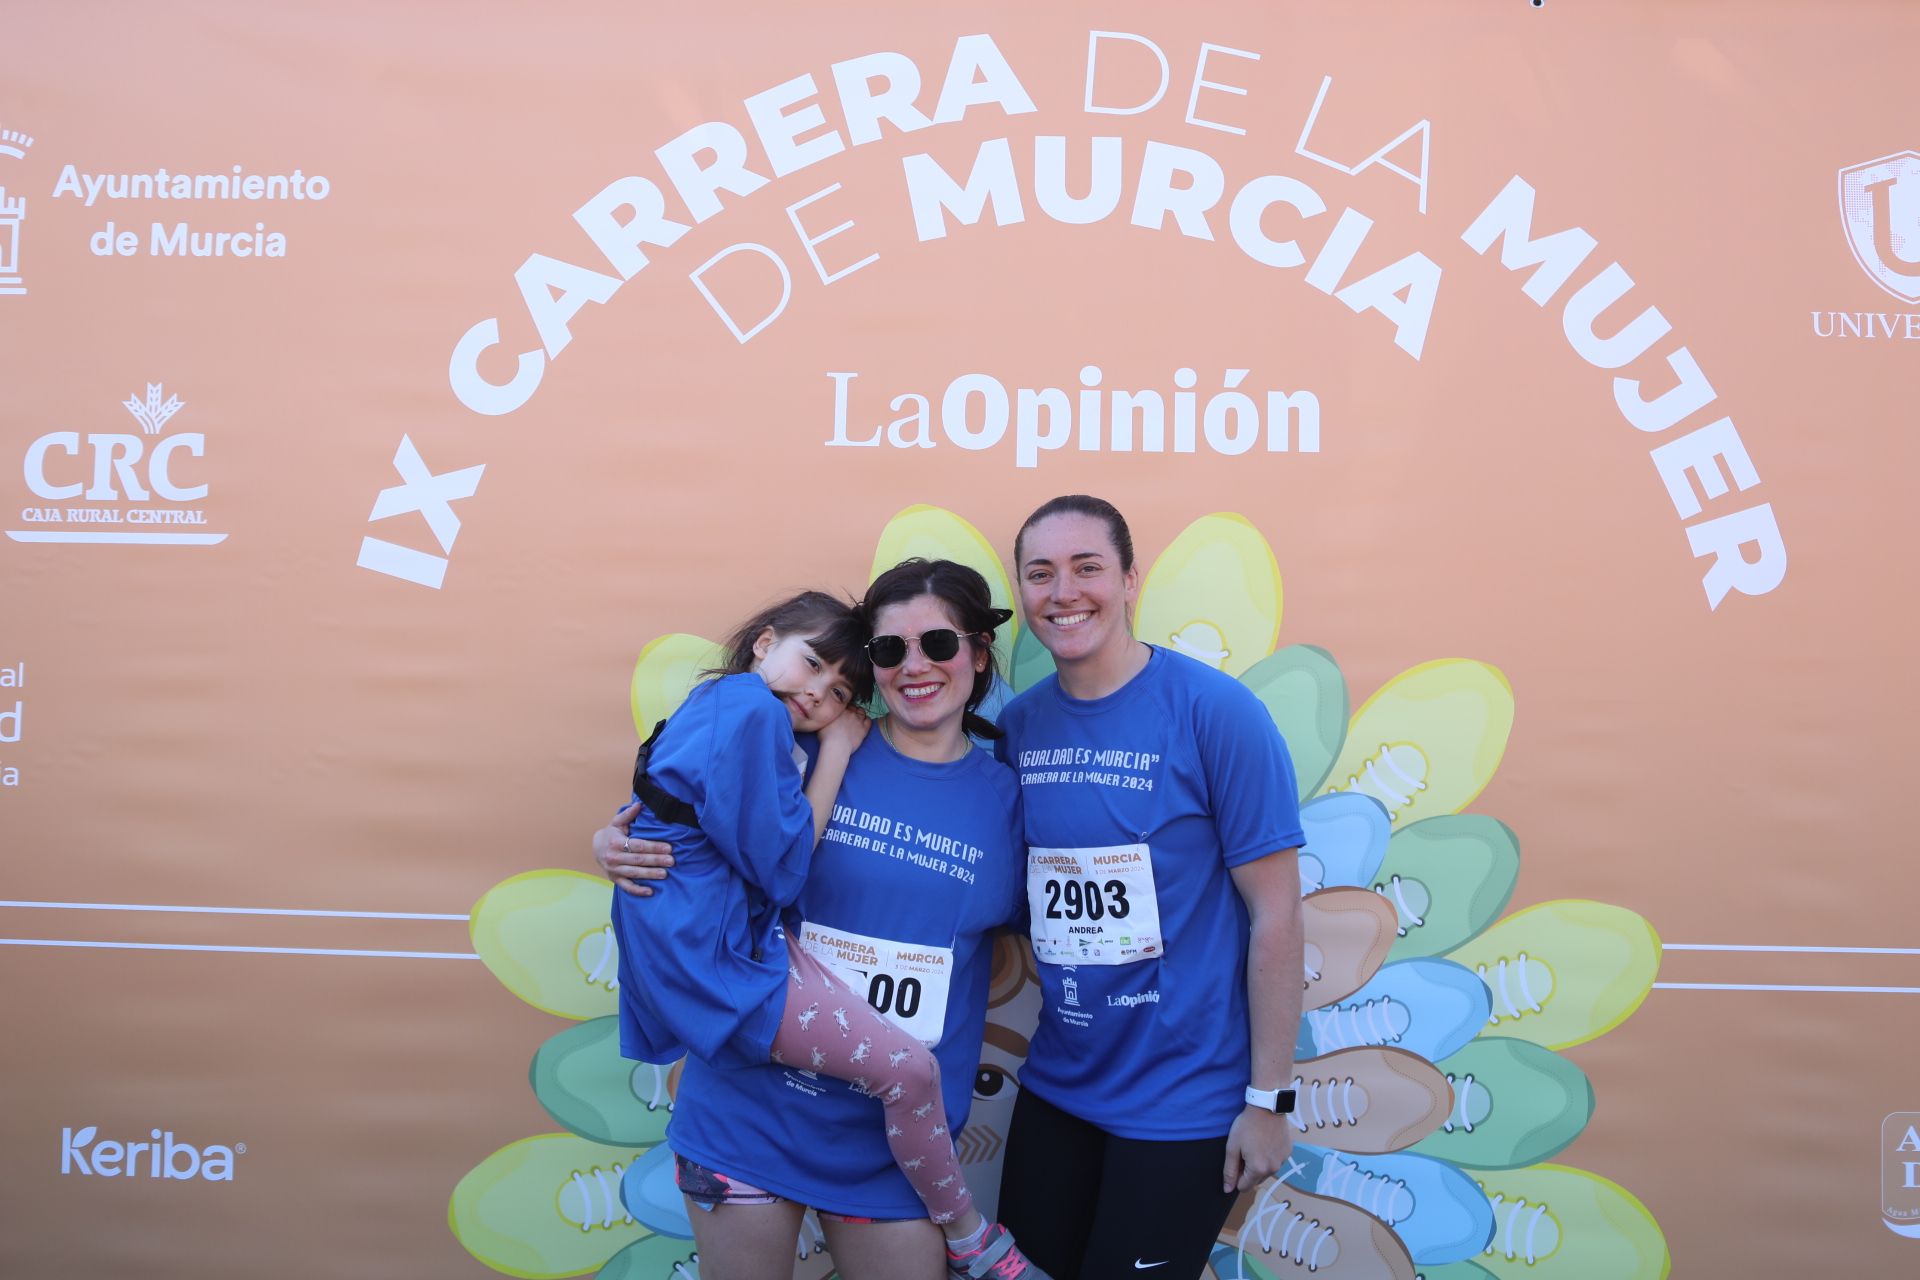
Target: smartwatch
point(1278, 1101)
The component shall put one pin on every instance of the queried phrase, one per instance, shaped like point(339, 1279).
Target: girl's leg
point(865, 1250)
point(831, 1029)
point(745, 1241)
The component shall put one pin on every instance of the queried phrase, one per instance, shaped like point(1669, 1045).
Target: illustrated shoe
point(1562, 973)
point(548, 937)
point(997, 1258)
point(1213, 594)
point(1369, 1100)
point(1514, 1104)
point(1439, 1213)
point(1448, 878)
point(654, 1258)
point(663, 675)
point(1552, 1222)
point(1279, 1230)
point(1346, 840)
point(1347, 933)
point(651, 1194)
point(585, 1085)
point(1303, 690)
point(1427, 1006)
point(1429, 740)
point(1450, 1271)
point(545, 1207)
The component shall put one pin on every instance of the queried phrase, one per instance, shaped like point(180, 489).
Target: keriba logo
point(162, 1156)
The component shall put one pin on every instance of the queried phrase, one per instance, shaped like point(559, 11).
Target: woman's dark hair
point(836, 630)
point(968, 602)
point(1080, 504)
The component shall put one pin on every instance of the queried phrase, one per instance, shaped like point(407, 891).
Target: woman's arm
point(627, 862)
point(1260, 1140)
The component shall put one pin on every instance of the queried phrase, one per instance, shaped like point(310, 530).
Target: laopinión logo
point(163, 1156)
point(1880, 215)
point(1900, 1173)
point(13, 212)
point(126, 486)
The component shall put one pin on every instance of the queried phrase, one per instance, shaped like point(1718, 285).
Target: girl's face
point(922, 694)
point(1073, 591)
point(813, 688)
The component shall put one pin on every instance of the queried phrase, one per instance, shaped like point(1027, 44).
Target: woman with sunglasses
point(919, 867)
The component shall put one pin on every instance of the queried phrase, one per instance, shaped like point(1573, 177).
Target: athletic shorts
point(708, 1189)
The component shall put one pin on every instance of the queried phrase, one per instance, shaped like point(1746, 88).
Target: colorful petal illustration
point(1439, 1213)
point(653, 1258)
point(584, 1083)
point(934, 533)
point(1348, 932)
point(666, 669)
point(653, 1197)
point(1369, 1100)
point(1428, 742)
point(1552, 1222)
point(1279, 1230)
point(1563, 973)
point(1448, 878)
point(545, 1207)
point(1426, 1006)
point(1306, 695)
point(1346, 841)
point(1031, 663)
point(1213, 595)
point(548, 937)
point(1514, 1104)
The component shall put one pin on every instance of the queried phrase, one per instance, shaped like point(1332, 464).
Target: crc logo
point(118, 479)
point(1880, 211)
point(162, 1156)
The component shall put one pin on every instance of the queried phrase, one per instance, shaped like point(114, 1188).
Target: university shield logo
point(1880, 210)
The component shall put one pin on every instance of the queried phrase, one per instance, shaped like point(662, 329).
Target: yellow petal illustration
point(1214, 594)
point(668, 667)
point(1429, 741)
point(545, 1206)
point(1562, 973)
point(934, 533)
point(548, 937)
point(1552, 1222)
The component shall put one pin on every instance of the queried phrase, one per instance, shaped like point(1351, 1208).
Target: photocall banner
point(400, 400)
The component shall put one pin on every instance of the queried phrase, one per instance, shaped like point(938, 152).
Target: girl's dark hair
point(1080, 504)
point(968, 601)
point(836, 630)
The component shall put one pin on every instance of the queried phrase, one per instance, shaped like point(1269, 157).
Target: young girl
point(706, 970)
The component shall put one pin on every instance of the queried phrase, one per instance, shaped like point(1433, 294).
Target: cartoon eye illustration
point(989, 1080)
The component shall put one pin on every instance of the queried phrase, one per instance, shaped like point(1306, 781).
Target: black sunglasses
point(939, 644)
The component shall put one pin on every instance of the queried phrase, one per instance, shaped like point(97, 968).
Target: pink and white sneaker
point(997, 1258)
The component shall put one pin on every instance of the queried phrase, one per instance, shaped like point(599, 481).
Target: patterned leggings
point(830, 1029)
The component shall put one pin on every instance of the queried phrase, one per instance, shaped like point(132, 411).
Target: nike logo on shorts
point(1148, 1266)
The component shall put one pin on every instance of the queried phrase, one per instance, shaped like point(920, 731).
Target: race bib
point(1094, 906)
point(903, 980)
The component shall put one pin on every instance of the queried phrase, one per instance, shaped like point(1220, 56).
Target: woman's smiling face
point(1074, 593)
point(921, 693)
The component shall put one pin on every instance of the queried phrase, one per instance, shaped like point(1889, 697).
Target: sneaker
point(997, 1258)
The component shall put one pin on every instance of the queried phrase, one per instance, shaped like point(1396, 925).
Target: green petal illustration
point(1303, 690)
point(1562, 973)
point(1031, 663)
point(548, 937)
point(1457, 1271)
point(545, 1207)
point(1428, 742)
point(935, 533)
point(584, 1083)
point(1213, 595)
point(1448, 878)
point(1514, 1104)
point(1551, 1222)
point(654, 1258)
point(667, 669)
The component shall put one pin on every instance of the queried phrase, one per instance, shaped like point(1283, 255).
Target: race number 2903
point(1086, 900)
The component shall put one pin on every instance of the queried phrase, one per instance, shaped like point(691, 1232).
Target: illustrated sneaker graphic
point(1455, 1271)
point(1213, 594)
point(546, 1206)
point(1552, 1222)
point(1278, 1230)
point(1303, 690)
point(1428, 1006)
point(547, 936)
point(1562, 973)
point(1439, 1213)
point(654, 1258)
point(934, 533)
point(1448, 878)
point(1369, 1100)
point(652, 1195)
point(585, 1085)
point(1429, 741)
point(665, 673)
point(1514, 1104)
point(1346, 840)
point(1347, 933)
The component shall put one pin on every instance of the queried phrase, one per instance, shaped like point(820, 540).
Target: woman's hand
point(1257, 1146)
point(845, 732)
point(628, 862)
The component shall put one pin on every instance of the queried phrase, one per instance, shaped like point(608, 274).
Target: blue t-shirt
point(1186, 762)
point(922, 854)
point(703, 965)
